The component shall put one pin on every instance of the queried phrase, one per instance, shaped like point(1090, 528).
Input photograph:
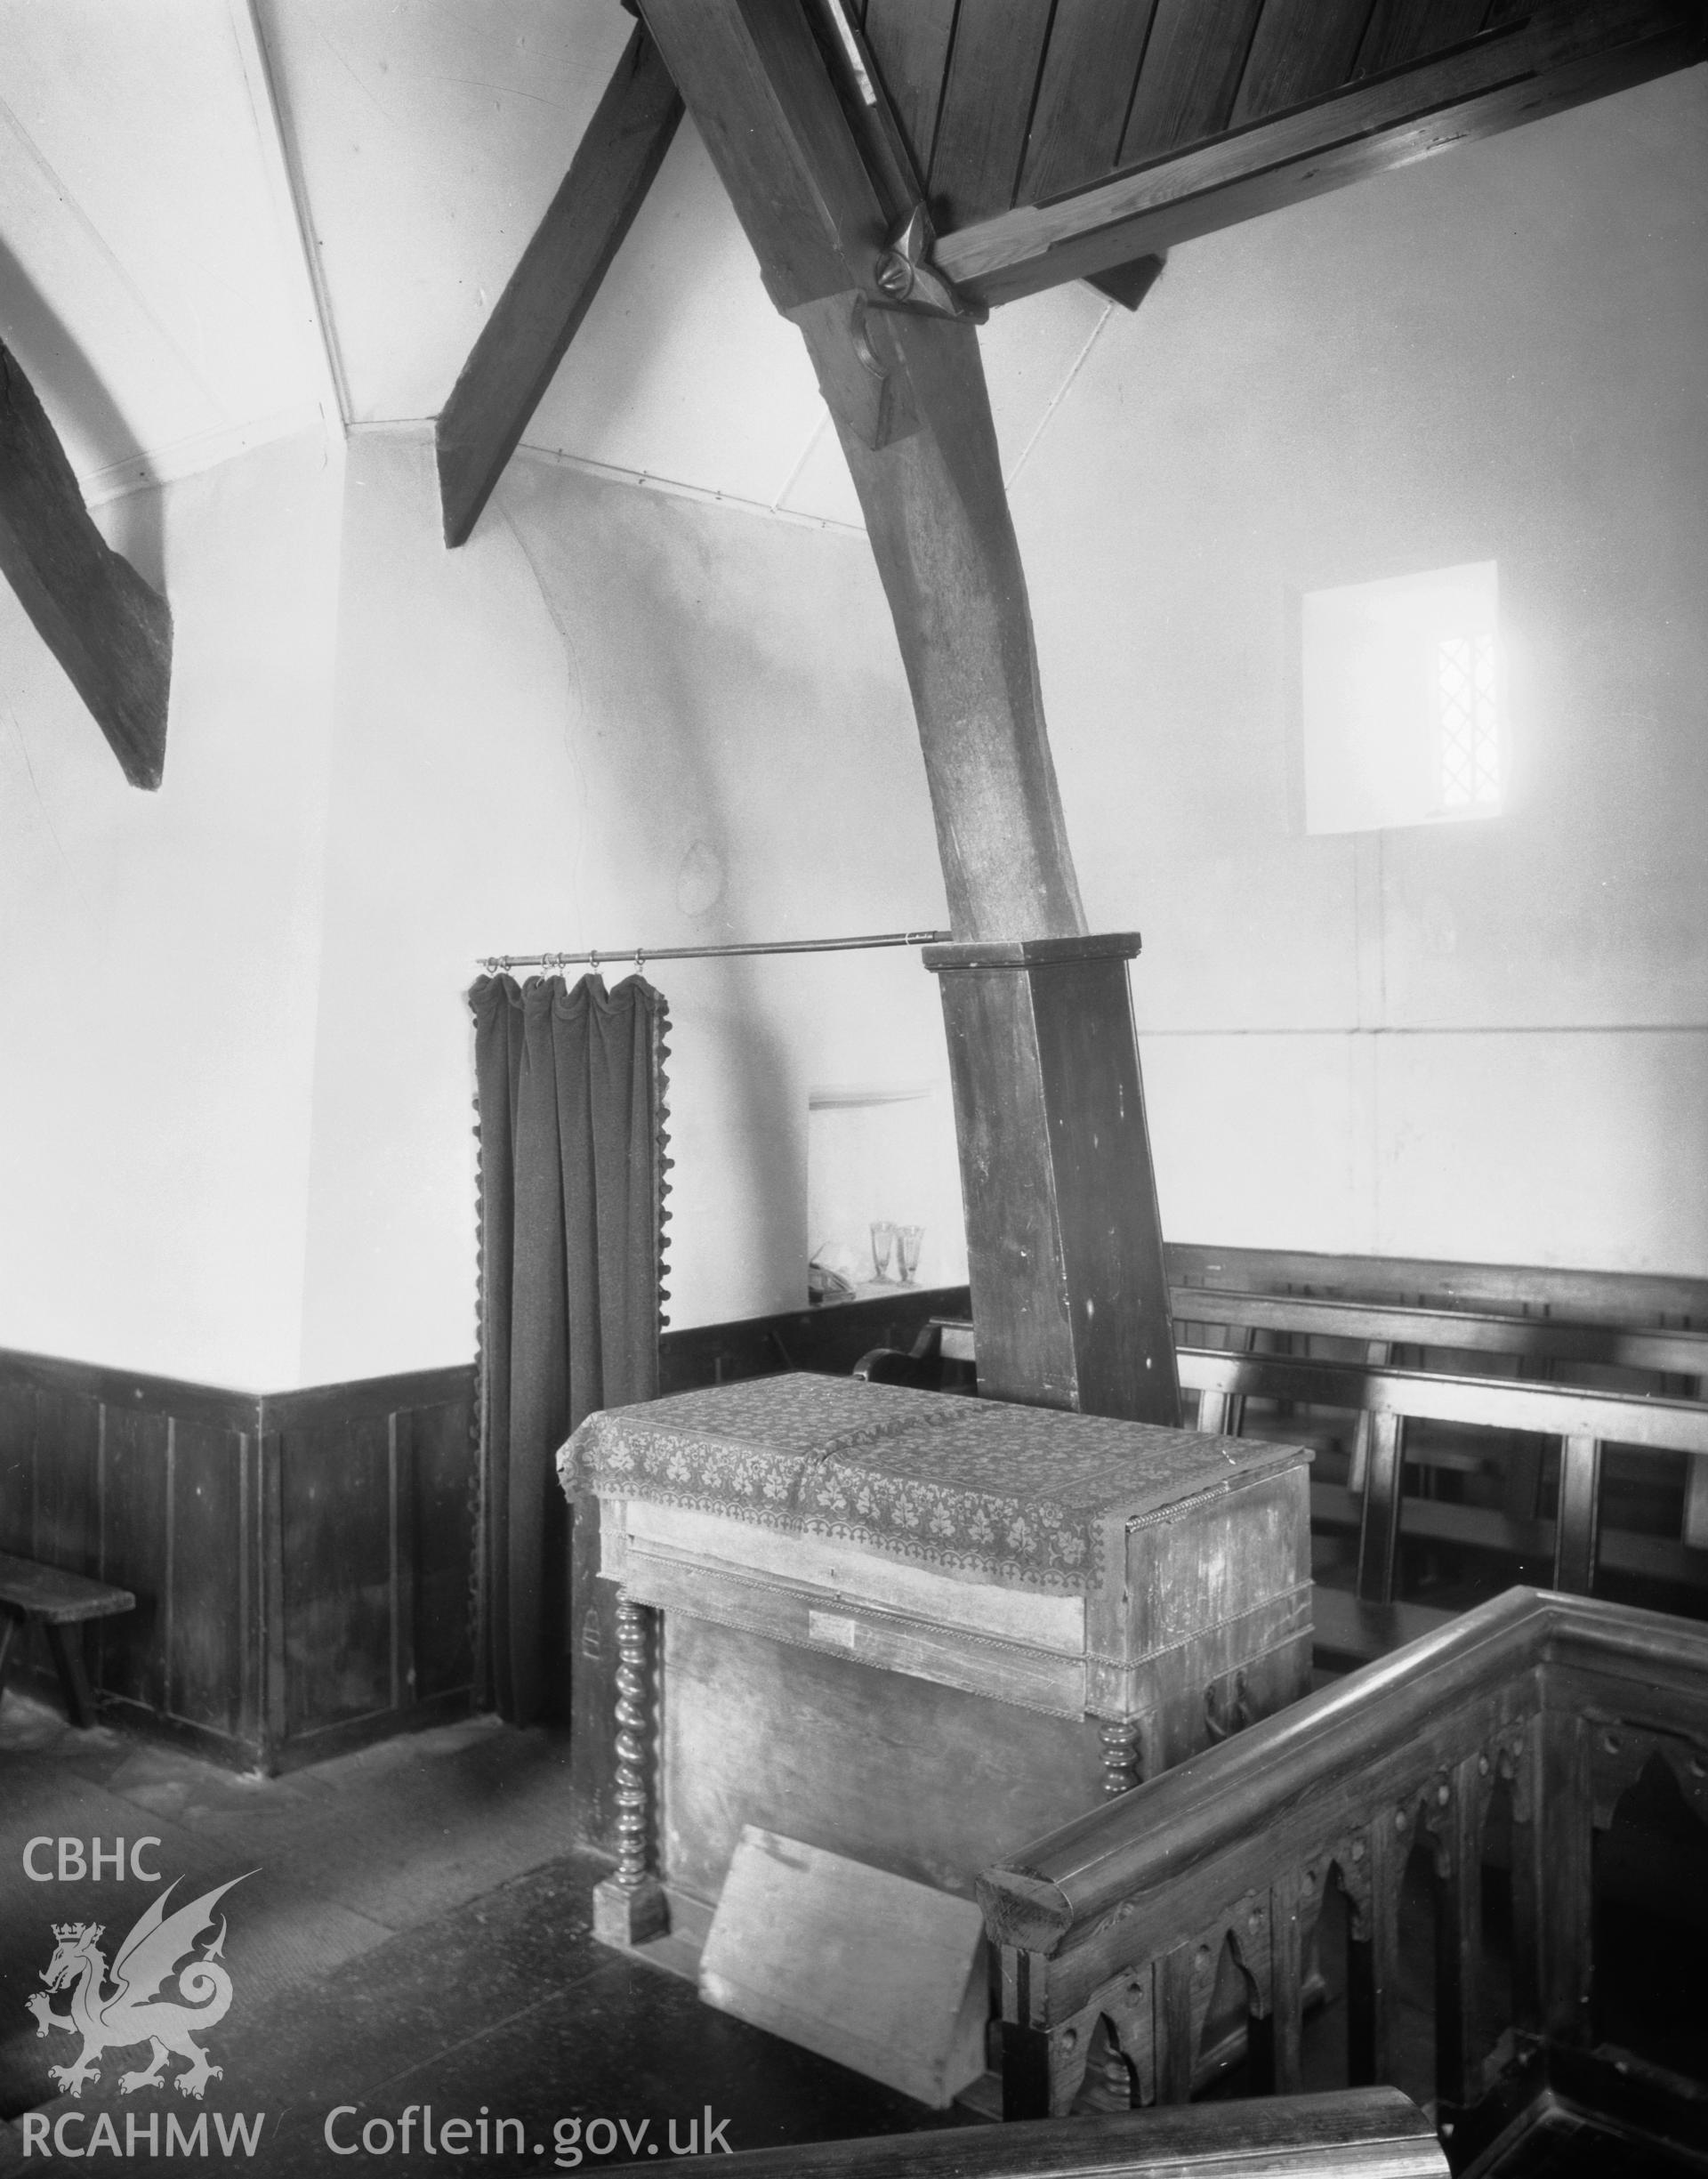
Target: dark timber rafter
point(906, 391)
point(1219, 125)
point(110, 632)
point(1068, 1278)
point(832, 184)
point(523, 342)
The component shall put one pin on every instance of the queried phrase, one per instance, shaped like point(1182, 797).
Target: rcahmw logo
point(239, 2135)
point(122, 2007)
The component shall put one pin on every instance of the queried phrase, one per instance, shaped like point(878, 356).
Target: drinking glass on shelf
point(908, 1241)
point(883, 1239)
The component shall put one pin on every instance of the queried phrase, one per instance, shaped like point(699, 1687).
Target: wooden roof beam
point(107, 627)
point(522, 344)
point(907, 391)
point(762, 97)
point(1553, 56)
point(1063, 1239)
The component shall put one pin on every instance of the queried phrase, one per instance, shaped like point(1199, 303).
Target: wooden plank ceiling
point(1008, 102)
point(1001, 147)
point(1054, 139)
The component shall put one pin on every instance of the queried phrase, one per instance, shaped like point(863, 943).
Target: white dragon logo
point(132, 2013)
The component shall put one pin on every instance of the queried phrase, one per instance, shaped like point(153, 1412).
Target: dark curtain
point(571, 1108)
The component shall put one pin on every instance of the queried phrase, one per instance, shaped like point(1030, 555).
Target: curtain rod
point(642, 954)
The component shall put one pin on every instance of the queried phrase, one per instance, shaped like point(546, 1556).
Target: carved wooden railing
point(1110, 1931)
point(1363, 2133)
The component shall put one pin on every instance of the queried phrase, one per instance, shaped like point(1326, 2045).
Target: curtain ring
point(592, 961)
point(640, 961)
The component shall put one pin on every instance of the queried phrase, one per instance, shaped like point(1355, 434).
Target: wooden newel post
point(1070, 1293)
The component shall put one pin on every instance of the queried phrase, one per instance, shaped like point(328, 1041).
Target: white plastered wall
point(1486, 1040)
point(614, 718)
point(162, 950)
point(238, 1107)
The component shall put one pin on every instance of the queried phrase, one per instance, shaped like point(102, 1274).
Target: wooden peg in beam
point(907, 276)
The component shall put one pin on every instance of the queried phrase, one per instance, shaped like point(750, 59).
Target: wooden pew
point(1385, 1400)
point(1672, 1362)
point(1585, 1297)
point(1574, 1344)
point(1582, 1418)
point(1537, 1346)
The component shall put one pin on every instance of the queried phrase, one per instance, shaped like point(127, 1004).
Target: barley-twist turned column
point(1122, 1761)
point(630, 1906)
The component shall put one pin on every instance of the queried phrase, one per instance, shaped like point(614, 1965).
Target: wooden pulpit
point(918, 1630)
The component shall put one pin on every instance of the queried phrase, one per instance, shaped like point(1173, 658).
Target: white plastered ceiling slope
point(221, 217)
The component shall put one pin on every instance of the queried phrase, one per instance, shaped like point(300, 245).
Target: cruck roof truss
point(1011, 145)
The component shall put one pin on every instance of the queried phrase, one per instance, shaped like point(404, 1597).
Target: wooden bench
point(1537, 1346)
point(1616, 1357)
point(59, 1603)
point(1646, 1359)
point(1673, 1362)
point(942, 1360)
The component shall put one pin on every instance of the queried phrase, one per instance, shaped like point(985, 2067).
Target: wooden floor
point(413, 1933)
point(1558, 2140)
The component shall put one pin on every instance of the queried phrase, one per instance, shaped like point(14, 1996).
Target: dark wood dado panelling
point(301, 1560)
point(372, 1484)
point(142, 1481)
